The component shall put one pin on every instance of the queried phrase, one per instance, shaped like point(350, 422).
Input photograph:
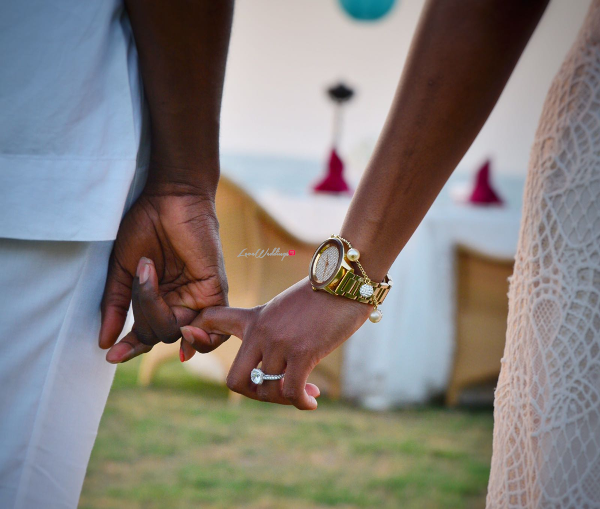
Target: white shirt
point(72, 121)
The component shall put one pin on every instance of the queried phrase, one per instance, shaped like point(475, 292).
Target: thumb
point(214, 325)
point(155, 321)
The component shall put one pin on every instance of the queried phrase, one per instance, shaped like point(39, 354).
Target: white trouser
point(54, 379)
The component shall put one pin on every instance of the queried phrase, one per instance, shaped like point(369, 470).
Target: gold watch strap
point(350, 284)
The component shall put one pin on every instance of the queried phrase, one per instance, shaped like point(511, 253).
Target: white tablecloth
point(407, 357)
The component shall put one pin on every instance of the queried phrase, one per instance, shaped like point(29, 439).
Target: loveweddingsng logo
point(261, 253)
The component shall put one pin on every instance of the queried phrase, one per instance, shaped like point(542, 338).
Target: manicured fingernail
point(187, 335)
point(314, 401)
point(143, 269)
point(181, 354)
point(145, 273)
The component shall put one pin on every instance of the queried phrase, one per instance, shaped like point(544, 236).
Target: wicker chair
point(482, 309)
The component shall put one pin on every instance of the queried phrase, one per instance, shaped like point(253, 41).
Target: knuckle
point(258, 309)
point(206, 318)
point(170, 336)
point(145, 337)
point(301, 351)
point(261, 330)
point(277, 343)
point(234, 383)
point(263, 394)
point(115, 300)
point(224, 284)
point(291, 393)
point(202, 348)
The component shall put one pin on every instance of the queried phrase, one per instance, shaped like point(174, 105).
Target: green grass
point(179, 444)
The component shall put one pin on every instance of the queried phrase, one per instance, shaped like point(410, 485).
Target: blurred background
point(405, 419)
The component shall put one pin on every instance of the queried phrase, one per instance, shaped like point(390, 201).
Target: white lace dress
point(547, 408)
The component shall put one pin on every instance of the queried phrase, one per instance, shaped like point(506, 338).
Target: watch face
point(326, 262)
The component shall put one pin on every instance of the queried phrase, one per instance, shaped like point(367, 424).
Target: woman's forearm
point(462, 55)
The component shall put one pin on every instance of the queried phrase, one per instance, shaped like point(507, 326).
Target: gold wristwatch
point(331, 270)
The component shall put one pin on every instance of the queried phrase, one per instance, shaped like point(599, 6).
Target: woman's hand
point(291, 334)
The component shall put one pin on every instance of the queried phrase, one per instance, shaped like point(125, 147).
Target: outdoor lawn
point(180, 444)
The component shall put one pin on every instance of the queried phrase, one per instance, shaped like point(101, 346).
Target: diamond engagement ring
point(258, 377)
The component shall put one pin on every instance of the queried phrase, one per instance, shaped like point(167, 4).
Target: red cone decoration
point(334, 181)
point(483, 193)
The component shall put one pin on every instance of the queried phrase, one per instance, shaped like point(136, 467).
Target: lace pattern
point(547, 404)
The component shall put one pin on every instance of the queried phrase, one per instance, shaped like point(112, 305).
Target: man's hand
point(168, 245)
point(291, 334)
point(182, 48)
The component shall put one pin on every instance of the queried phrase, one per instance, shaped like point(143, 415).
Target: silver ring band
point(258, 376)
point(272, 377)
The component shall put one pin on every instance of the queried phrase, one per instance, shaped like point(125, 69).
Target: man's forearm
point(182, 46)
point(461, 57)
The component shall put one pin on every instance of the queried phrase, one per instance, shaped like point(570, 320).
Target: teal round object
point(367, 10)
